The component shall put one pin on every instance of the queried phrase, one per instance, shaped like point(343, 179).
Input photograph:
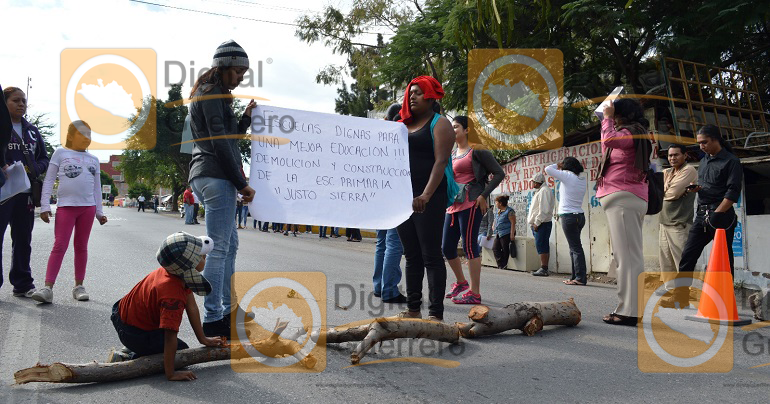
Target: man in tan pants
point(677, 214)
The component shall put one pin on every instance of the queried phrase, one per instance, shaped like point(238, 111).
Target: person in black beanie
point(216, 175)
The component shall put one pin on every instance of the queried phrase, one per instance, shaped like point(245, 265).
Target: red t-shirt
point(156, 302)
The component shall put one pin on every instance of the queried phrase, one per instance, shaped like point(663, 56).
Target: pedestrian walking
point(189, 204)
point(462, 220)
point(216, 174)
point(505, 231)
point(238, 210)
point(622, 191)
point(148, 318)
point(430, 146)
point(353, 234)
point(155, 203)
point(539, 220)
point(111, 198)
point(572, 191)
point(677, 213)
point(27, 146)
point(141, 200)
point(79, 202)
point(196, 207)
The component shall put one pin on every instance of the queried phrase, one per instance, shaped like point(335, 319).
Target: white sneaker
point(43, 295)
point(79, 293)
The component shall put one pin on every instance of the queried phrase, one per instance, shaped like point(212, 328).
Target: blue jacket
point(35, 143)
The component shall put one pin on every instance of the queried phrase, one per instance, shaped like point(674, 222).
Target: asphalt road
point(592, 362)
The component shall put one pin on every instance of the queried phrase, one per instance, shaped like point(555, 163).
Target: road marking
point(21, 349)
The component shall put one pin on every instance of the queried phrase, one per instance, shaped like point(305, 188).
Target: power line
point(235, 16)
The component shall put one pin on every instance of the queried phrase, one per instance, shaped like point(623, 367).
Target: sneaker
point(436, 319)
point(408, 314)
point(120, 355)
point(28, 293)
point(457, 288)
point(43, 295)
point(540, 272)
point(468, 298)
point(79, 293)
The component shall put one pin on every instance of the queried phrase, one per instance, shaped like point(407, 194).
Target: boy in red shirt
point(147, 319)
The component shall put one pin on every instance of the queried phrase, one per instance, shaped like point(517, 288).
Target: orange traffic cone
point(721, 281)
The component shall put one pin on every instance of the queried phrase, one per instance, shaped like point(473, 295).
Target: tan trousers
point(672, 240)
point(625, 215)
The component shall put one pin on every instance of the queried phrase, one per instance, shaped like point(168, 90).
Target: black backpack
point(655, 192)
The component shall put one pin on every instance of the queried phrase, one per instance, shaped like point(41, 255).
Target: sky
point(36, 32)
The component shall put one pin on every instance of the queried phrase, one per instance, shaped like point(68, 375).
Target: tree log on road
point(527, 317)
point(383, 329)
point(95, 372)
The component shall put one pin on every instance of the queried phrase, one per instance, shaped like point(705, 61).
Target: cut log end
point(478, 313)
point(534, 325)
point(56, 373)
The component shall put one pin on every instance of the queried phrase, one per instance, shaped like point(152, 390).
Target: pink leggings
point(80, 218)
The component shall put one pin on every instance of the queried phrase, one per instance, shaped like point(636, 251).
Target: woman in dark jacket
point(421, 233)
point(216, 174)
point(471, 168)
point(27, 146)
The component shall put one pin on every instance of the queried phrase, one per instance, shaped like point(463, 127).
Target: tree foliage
point(605, 43)
point(107, 180)
point(46, 128)
point(164, 165)
point(140, 189)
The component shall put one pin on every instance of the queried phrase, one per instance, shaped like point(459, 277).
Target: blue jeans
point(188, 214)
point(322, 231)
point(387, 260)
point(572, 225)
point(218, 196)
point(244, 215)
point(335, 231)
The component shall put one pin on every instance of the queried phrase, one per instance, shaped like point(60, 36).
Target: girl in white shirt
point(79, 201)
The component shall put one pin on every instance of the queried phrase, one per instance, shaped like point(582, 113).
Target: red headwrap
point(431, 89)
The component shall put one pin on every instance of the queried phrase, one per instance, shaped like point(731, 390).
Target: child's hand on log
point(213, 341)
point(183, 375)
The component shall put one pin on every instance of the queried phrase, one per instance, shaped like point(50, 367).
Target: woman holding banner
point(430, 145)
point(216, 174)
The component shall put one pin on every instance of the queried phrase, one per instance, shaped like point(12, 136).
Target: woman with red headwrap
point(431, 138)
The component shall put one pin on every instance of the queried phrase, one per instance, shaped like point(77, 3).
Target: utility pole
point(29, 79)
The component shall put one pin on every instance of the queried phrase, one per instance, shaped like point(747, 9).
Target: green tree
point(107, 180)
point(46, 128)
point(140, 189)
point(163, 165)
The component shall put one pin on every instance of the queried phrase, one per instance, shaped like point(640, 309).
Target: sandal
point(574, 282)
point(617, 319)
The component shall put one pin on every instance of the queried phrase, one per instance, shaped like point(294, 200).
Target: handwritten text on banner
point(331, 170)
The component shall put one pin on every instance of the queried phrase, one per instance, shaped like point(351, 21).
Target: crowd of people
point(451, 184)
